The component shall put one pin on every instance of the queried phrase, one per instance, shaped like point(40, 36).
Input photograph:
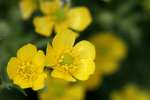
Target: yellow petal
point(75, 92)
point(43, 25)
point(85, 50)
point(27, 7)
point(50, 56)
point(39, 83)
point(94, 81)
point(64, 40)
point(119, 50)
point(12, 67)
point(61, 27)
point(79, 18)
point(27, 52)
point(107, 66)
point(62, 75)
point(109, 46)
point(85, 69)
point(39, 59)
point(22, 83)
point(49, 6)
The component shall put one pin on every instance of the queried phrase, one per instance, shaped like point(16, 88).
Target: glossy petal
point(39, 83)
point(43, 25)
point(49, 6)
point(61, 27)
point(80, 18)
point(85, 69)
point(107, 67)
point(26, 52)
point(12, 67)
point(50, 56)
point(62, 75)
point(27, 8)
point(85, 50)
point(64, 40)
point(39, 59)
point(22, 83)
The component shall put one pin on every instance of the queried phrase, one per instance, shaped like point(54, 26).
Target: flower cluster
point(66, 60)
point(74, 49)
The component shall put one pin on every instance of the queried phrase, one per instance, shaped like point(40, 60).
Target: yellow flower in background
point(94, 81)
point(110, 51)
point(77, 18)
point(27, 69)
point(61, 90)
point(50, 6)
point(75, 92)
point(130, 92)
point(70, 62)
point(27, 7)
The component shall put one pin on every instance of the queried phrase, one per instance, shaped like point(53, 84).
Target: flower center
point(66, 59)
point(59, 15)
point(26, 70)
point(104, 50)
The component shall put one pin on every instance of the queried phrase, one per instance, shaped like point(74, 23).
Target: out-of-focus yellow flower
point(70, 63)
point(27, 7)
point(50, 6)
point(94, 81)
point(75, 92)
point(77, 18)
point(110, 51)
point(26, 70)
point(130, 92)
point(61, 90)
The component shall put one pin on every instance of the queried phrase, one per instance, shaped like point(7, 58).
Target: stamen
point(66, 59)
point(26, 70)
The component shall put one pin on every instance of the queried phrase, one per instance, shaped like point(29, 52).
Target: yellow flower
point(110, 51)
point(27, 7)
point(77, 18)
point(27, 69)
point(130, 92)
point(94, 81)
point(75, 92)
point(50, 6)
point(70, 63)
point(60, 90)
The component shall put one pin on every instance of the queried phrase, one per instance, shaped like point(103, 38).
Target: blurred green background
point(128, 19)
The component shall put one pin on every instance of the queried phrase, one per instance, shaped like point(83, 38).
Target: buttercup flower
point(75, 92)
point(50, 6)
point(110, 51)
point(70, 62)
point(26, 70)
point(94, 81)
point(60, 90)
point(130, 92)
point(27, 7)
point(60, 19)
